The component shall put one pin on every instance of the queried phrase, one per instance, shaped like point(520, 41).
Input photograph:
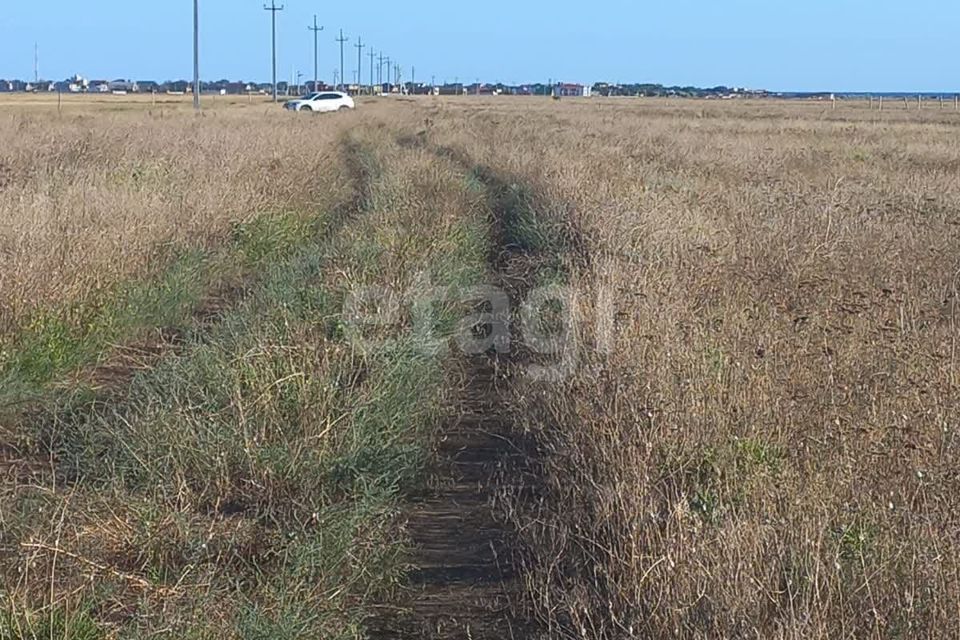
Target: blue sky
point(839, 45)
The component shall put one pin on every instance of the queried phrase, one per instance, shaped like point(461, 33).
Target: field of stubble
point(751, 430)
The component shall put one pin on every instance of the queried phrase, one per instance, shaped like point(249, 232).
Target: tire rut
point(465, 581)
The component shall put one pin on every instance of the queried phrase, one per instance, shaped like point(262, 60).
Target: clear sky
point(829, 45)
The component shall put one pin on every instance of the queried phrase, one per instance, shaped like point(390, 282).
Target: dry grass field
point(764, 442)
point(749, 429)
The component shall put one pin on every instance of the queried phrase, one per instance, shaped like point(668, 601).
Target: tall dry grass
point(248, 483)
point(96, 196)
point(768, 448)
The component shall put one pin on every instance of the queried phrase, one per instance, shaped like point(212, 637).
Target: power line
point(316, 52)
point(341, 40)
point(360, 47)
point(372, 57)
point(273, 8)
point(196, 55)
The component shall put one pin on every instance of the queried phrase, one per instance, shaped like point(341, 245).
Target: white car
point(321, 101)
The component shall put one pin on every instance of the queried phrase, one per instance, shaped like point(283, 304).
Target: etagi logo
point(544, 330)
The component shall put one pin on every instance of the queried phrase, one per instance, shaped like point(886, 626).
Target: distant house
point(419, 89)
point(452, 90)
point(6, 86)
point(480, 89)
point(123, 86)
point(77, 84)
point(570, 90)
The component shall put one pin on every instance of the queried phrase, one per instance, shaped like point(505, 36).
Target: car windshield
point(310, 96)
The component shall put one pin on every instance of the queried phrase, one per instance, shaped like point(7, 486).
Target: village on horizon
point(79, 84)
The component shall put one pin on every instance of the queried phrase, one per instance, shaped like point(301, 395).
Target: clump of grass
point(55, 623)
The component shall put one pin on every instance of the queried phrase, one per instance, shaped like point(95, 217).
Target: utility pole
point(360, 47)
point(380, 71)
point(389, 72)
point(372, 58)
point(316, 55)
point(273, 8)
point(196, 55)
point(36, 64)
point(341, 40)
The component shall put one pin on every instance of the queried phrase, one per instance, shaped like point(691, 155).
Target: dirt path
point(464, 572)
point(464, 579)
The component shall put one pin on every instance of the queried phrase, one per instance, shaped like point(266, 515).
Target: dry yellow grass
point(98, 194)
point(766, 448)
point(245, 481)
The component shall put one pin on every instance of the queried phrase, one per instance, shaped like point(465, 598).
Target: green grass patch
point(57, 341)
point(55, 623)
point(721, 478)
